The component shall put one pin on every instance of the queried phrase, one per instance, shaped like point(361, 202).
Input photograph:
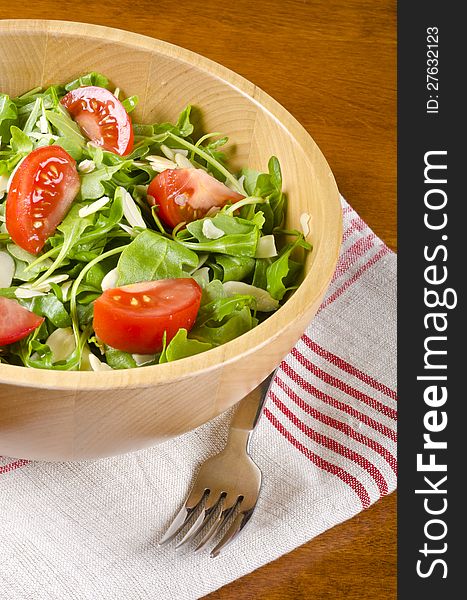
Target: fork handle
point(248, 412)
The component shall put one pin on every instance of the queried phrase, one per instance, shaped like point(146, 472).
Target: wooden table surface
point(332, 64)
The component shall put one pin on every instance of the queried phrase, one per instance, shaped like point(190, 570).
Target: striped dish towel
point(326, 445)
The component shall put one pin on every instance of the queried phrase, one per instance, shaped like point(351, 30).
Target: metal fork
point(227, 484)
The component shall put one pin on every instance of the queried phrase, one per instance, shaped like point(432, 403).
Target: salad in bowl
point(124, 244)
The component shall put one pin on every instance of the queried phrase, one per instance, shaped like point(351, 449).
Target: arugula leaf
point(275, 174)
point(212, 150)
point(92, 78)
point(26, 270)
point(144, 131)
point(96, 274)
point(106, 220)
point(181, 346)
point(8, 292)
point(260, 274)
point(74, 149)
point(33, 116)
point(279, 269)
point(238, 323)
point(72, 228)
point(130, 103)
point(235, 268)
point(92, 183)
point(218, 309)
point(240, 239)
point(250, 177)
point(8, 117)
point(118, 359)
point(152, 256)
point(50, 306)
point(269, 186)
point(213, 291)
point(183, 127)
point(65, 125)
point(20, 142)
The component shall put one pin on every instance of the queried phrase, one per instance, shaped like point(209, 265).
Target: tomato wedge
point(41, 192)
point(184, 195)
point(16, 322)
point(102, 117)
point(133, 317)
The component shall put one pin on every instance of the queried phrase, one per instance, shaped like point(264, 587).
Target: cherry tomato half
point(133, 317)
point(184, 195)
point(16, 322)
point(41, 192)
point(102, 118)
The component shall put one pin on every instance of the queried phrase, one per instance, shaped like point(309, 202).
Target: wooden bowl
point(55, 415)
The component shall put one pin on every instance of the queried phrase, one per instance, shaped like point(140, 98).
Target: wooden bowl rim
point(304, 297)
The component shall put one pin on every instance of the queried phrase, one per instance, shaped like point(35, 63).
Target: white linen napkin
point(326, 445)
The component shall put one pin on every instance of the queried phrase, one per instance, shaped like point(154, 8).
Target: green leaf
point(96, 274)
point(130, 103)
point(151, 256)
point(72, 228)
point(50, 306)
point(92, 78)
point(117, 359)
point(96, 154)
point(8, 117)
point(218, 309)
point(213, 291)
point(239, 323)
point(279, 269)
point(33, 116)
point(240, 239)
point(269, 186)
point(8, 292)
point(74, 149)
point(143, 130)
point(275, 174)
point(235, 268)
point(23, 260)
point(91, 183)
point(85, 313)
point(20, 142)
point(65, 125)
point(260, 273)
point(106, 220)
point(249, 182)
point(215, 143)
point(268, 216)
point(181, 347)
point(184, 126)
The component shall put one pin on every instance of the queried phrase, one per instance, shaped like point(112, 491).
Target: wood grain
point(332, 64)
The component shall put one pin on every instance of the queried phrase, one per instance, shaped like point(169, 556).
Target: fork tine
point(197, 525)
point(239, 523)
point(218, 523)
point(195, 497)
point(177, 524)
point(182, 518)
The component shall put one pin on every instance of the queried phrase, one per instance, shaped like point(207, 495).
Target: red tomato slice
point(16, 322)
point(102, 118)
point(184, 195)
point(41, 192)
point(133, 317)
